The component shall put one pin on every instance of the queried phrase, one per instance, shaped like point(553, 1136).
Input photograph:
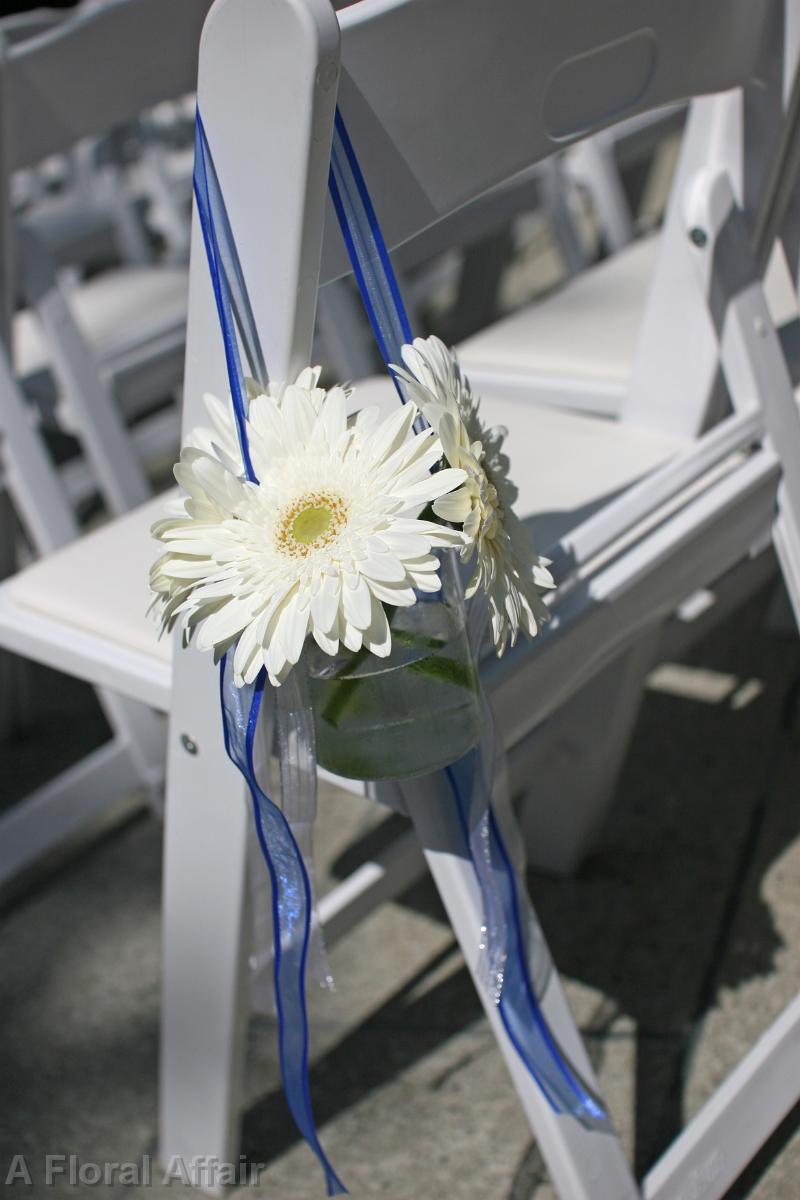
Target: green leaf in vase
point(447, 670)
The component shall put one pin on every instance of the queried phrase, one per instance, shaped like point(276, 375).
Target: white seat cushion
point(117, 312)
point(74, 232)
point(565, 465)
point(588, 328)
point(99, 583)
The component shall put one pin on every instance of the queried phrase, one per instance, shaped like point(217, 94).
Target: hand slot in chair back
point(445, 100)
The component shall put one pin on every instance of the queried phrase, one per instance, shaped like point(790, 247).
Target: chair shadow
point(648, 922)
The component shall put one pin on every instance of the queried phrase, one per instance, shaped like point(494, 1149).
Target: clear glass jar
point(411, 713)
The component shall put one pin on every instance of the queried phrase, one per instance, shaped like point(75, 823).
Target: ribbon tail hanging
point(296, 744)
point(505, 948)
point(514, 968)
point(291, 909)
point(521, 1010)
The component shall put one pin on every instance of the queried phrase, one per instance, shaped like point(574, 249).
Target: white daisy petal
point(383, 567)
point(391, 433)
point(352, 637)
point(224, 624)
point(405, 545)
point(357, 603)
point(456, 506)
point(325, 604)
point(327, 642)
point(291, 630)
point(298, 412)
point(366, 420)
point(377, 635)
point(248, 656)
point(308, 378)
point(333, 418)
point(399, 596)
point(432, 486)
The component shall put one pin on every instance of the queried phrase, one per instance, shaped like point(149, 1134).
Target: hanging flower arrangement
point(330, 540)
point(328, 549)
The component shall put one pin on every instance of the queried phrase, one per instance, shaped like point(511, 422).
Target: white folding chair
point(133, 759)
point(45, 77)
point(648, 543)
point(114, 343)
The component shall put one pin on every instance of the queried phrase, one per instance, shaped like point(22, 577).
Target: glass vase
point(410, 713)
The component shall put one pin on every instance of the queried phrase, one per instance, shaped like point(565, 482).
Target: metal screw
point(698, 236)
point(189, 744)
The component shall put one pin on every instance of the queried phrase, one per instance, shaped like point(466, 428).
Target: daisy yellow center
point(310, 523)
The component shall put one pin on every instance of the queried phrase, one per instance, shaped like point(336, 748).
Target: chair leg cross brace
point(720, 1141)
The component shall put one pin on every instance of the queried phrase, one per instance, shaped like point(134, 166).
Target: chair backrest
point(19, 26)
point(96, 70)
point(81, 77)
point(446, 99)
point(443, 98)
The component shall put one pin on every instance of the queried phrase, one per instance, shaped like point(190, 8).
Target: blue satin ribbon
point(291, 907)
point(367, 251)
point(517, 1002)
point(519, 1007)
point(230, 290)
point(291, 888)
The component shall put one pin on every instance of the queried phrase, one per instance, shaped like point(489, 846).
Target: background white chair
point(109, 347)
point(624, 569)
point(45, 77)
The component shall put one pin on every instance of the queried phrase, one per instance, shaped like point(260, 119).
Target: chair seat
point(75, 232)
point(99, 583)
point(588, 328)
point(565, 464)
point(119, 312)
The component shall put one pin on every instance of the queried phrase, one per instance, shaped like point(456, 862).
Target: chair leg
point(144, 733)
point(786, 537)
point(16, 708)
point(583, 1164)
point(597, 168)
point(555, 188)
point(65, 806)
point(204, 999)
point(567, 778)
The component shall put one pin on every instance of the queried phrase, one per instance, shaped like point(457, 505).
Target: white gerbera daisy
point(507, 567)
point(326, 538)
